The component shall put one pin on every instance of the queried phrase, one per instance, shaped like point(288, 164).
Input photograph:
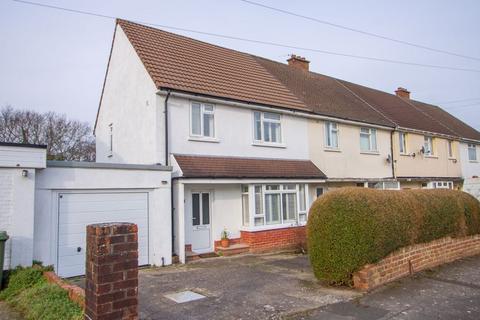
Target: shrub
point(351, 227)
point(29, 293)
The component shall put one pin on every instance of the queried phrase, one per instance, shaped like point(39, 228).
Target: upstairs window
point(368, 140)
point(331, 135)
point(202, 122)
point(428, 145)
point(450, 149)
point(402, 140)
point(472, 152)
point(110, 140)
point(267, 127)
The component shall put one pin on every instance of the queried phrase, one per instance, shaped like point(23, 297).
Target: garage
point(77, 210)
point(71, 195)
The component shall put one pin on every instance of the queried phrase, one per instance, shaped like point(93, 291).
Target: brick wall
point(111, 285)
point(415, 258)
point(277, 239)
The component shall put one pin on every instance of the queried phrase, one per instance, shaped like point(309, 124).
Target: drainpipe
point(166, 128)
point(391, 151)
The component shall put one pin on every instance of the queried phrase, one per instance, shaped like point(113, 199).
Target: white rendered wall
point(226, 209)
point(24, 157)
point(52, 181)
point(17, 215)
point(472, 186)
point(129, 103)
point(234, 134)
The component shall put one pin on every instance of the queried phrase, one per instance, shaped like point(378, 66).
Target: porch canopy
point(213, 167)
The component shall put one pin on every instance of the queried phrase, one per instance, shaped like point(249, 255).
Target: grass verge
point(29, 293)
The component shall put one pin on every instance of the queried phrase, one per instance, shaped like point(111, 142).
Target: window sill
point(201, 139)
point(473, 161)
point(374, 153)
point(327, 149)
point(270, 145)
point(450, 158)
point(431, 157)
point(405, 154)
point(273, 227)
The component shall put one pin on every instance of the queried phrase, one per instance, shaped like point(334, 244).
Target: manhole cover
point(184, 296)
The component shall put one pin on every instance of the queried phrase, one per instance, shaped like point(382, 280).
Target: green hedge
point(350, 227)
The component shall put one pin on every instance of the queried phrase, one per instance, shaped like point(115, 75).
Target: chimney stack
point(402, 93)
point(298, 62)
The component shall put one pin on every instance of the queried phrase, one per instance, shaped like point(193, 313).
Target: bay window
point(368, 140)
point(202, 120)
point(276, 204)
point(267, 127)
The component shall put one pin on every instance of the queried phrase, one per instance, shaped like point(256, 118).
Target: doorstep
point(233, 249)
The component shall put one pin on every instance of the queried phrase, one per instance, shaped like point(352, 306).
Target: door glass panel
point(195, 209)
point(205, 208)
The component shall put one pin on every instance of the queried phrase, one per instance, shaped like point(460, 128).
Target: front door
point(201, 216)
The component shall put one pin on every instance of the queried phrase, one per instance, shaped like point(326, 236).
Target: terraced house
point(254, 142)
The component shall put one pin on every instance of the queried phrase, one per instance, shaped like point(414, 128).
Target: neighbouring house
point(253, 142)
point(46, 205)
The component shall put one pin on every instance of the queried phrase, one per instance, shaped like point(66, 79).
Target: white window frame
point(429, 146)
point(440, 185)
point(202, 124)
point(402, 143)
point(451, 149)
point(471, 146)
point(256, 217)
point(381, 185)
point(110, 140)
point(372, 132)
point(262, 141)
point(331, 128)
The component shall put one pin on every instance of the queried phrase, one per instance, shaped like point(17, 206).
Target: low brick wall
point(411, 259)
point(277, 239)
point(75, 293)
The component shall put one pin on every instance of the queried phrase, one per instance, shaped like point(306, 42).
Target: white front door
point(201, 216)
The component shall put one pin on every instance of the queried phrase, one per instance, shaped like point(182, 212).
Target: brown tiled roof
point(181, 63)
point(246, 168)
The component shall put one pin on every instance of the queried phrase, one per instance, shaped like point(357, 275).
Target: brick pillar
point(111, 288)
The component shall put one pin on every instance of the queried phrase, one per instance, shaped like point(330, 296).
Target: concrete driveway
point(242, 287)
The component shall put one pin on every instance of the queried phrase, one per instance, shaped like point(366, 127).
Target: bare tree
point(65, 139)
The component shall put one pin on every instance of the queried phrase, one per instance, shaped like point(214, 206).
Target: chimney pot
point(402, 93)
point(298, 62)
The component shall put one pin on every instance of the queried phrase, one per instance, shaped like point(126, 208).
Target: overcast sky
point(55, 60)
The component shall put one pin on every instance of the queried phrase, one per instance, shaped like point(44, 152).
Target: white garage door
point(77, 210)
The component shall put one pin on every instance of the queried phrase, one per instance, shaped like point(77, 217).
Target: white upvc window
point(331, 135)
point(110, 140)
point(245, 206)
point(368, 140)
point(428, 145)
point(451, 151)
point(440, 185)
point(267, 127)
point(277, 204)
point(383, 185)
point(402, 140)
point(472, 152)
point(202, 120)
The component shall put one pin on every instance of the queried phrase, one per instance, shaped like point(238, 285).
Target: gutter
point(304, 114)
point(391, 151)
point(166, 127)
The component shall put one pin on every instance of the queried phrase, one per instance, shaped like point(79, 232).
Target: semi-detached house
point(254, 142)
